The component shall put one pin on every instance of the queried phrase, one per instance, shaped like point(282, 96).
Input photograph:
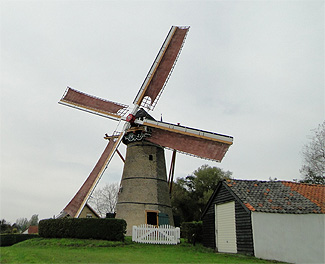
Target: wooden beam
point(171, 172)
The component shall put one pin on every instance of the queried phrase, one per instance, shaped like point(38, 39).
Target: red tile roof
point(314, 192)
point(250, 207)
point(279, 196)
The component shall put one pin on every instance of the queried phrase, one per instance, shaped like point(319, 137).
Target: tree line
point(19, 226)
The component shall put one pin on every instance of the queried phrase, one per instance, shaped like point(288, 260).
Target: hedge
point(192, 231)
point(83, 228)
point(11, 239)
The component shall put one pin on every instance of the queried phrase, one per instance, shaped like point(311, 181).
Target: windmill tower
point(144, 195)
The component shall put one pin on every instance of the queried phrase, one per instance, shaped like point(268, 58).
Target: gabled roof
point(64, 214)
point(277, 196)
point(92, 210)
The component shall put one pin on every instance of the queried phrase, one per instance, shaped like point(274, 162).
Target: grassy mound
point(40, 250)
point(70, 242)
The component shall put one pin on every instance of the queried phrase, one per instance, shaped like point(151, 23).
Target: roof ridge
point(282, 181)
point(228, 180)
point(304, 183)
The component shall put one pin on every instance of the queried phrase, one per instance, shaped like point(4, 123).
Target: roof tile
point(250, 207)
point(314, 192)
point(279, 196)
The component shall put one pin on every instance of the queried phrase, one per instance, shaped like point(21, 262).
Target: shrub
point(192, 231)
point(84, 228)
point(11, 239)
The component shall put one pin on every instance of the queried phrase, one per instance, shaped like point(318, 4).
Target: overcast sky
point(250, 69)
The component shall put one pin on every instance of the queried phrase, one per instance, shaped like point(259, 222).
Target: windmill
point(144, 193)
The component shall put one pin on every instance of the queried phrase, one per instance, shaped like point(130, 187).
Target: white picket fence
point(164, 234)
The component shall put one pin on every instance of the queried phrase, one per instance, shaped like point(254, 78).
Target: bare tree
point(313, 169)
point(33, 220)
point(104, 199)
point(22, 224)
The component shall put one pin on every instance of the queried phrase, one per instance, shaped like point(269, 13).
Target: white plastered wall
point(294, 238)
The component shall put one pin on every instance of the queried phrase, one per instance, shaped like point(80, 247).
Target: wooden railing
point(149, 234)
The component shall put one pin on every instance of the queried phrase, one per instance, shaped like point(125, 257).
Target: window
point(150, 157)
point(152, 218)
point(89, 216)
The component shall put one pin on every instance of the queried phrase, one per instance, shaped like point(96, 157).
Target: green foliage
point(191, 194)
point(182, 203)
point(192, 231)
point(84, 228)
point(5, 227)
point(11, 239)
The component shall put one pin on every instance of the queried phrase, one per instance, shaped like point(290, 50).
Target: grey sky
point(250, 69)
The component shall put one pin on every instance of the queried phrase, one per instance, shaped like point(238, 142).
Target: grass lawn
point(41, 250)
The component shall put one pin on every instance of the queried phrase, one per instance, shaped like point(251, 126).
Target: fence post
point(178, 234)
point(134, 233)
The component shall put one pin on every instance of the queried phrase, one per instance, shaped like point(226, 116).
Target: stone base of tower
point(144, 195)
point(138, 214)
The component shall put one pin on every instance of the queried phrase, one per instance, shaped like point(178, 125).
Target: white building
point(276, 220)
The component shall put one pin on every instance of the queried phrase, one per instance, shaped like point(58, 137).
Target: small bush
point(192, 231)
point(11, 239)
point(83, 228)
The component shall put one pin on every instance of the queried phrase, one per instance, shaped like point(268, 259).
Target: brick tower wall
point(144, 184)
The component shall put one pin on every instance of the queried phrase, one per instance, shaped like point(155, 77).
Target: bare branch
point(104, 199)
point(313, 168)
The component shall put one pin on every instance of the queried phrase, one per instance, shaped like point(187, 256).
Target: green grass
point(41, 250)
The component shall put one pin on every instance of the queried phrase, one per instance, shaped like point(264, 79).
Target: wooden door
point(226, 228)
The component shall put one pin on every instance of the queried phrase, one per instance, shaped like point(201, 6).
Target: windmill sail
point(161, 69)
point(199, 143)
point(142, 159)
point(79, 200)
point(93, 104)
